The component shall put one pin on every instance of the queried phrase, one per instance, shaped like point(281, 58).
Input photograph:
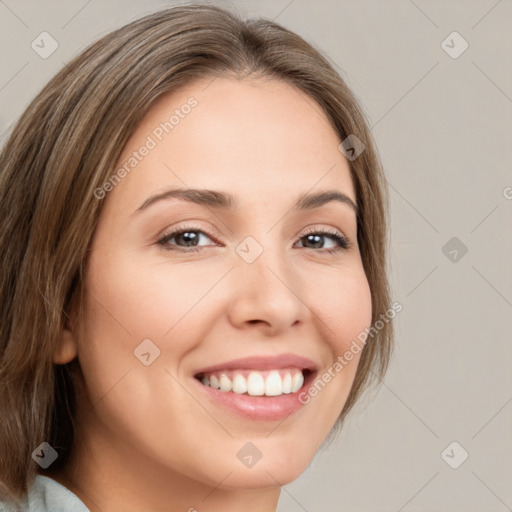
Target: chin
point(276, 469)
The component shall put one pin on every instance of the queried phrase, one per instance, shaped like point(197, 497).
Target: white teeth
point(298, 380)
point(254, 383)
point(287, 383)
point(225, 383)
point(239, 384)
point(214, 382)
point(273, 384)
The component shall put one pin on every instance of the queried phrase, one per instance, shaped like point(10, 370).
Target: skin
point(151, 436)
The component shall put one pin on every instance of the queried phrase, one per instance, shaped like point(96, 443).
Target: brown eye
point(182, 238)
point(316, 240)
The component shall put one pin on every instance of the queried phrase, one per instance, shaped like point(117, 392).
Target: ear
point(67, 349)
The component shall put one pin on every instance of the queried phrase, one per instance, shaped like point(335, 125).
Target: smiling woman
point(160, 327)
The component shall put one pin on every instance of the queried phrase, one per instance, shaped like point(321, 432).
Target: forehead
point(256, 138)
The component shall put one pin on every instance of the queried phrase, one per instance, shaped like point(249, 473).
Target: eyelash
point(343, 242)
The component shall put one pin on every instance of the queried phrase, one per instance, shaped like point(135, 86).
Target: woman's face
point(254, 279)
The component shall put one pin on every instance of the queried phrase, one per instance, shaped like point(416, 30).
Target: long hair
point(66, 145)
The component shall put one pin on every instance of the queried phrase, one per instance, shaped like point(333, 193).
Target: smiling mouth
point(276, 382)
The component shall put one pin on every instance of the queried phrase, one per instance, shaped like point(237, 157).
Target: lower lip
point(265, 408)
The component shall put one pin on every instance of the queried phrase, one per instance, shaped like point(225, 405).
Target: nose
point(267, 295)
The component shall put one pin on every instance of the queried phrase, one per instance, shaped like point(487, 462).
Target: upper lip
point(262, 363)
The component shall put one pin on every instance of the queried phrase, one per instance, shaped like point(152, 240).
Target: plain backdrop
point(436, 436)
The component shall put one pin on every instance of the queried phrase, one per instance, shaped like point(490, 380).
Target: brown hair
point(67, 143)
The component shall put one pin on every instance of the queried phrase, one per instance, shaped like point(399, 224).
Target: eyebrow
point(223, 200)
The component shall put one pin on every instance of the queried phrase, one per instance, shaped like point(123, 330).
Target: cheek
point(343, 311)
point(343, 306)
point(144, 300)
point(129, 301)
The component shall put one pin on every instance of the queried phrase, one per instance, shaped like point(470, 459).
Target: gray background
point(443, 126)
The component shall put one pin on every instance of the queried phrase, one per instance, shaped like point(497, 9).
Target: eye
point(185, 238)
point(317, 239)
